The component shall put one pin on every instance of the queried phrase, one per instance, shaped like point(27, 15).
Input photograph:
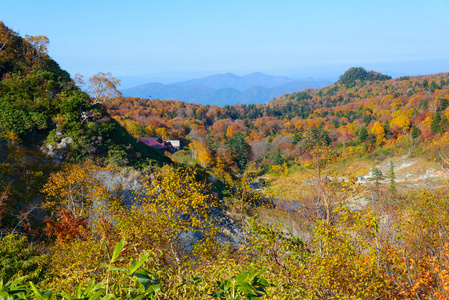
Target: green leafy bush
point(18, 258)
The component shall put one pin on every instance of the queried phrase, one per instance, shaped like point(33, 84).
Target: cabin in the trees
point(154, 142)
point(176, 144)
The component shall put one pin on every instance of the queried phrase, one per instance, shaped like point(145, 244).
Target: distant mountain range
point(225, 89)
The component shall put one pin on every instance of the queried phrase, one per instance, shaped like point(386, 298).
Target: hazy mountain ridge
point(225, 89)
point(240, 83)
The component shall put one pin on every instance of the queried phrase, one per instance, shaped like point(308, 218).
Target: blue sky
point(169, 40)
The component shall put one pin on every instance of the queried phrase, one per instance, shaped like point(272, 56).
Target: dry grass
point(410, 172)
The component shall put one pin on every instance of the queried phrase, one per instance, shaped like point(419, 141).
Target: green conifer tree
point(239, 149)
point(415, 132)
point(435, 125)
point(443, 123)
point(278, 159)
point(363, 134)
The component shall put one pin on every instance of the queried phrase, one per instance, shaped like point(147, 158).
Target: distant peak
point(228, 74)
point(255, 73)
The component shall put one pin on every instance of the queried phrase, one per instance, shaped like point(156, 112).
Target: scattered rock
point(67, 140)
point(62, 146)
point(55, 156)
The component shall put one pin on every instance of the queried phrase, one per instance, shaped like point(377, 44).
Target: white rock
point(62, 146)
point(67, 140)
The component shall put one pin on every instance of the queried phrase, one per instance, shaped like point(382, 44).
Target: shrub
point(18, 258)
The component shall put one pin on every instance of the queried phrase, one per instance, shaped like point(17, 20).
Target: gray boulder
point(67, 140)
point(62, 146)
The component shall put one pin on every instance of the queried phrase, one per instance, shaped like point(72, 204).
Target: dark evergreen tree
point(415, 132)
point(240, 149)
point(363, 134)
point(335, 123)
point(435, 125)
point(443, 123)
point(278, 159)
point(377, 177)
point(442, 104)
point(433, 86)
point(296, 138)
point(318, 136)
point(367, 119)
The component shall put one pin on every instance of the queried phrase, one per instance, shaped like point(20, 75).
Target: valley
point(333, 192)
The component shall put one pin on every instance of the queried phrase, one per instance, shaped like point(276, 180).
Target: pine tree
point(296, 138)
point(239, 149)
point(278, 159)
point(377, 177)
point(363, 134)
point(415, 132)
point(443, 123)
point(435, 125)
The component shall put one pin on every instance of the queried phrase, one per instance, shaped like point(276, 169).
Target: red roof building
point(153, 143)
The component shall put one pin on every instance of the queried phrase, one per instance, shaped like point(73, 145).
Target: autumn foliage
point(107, 216)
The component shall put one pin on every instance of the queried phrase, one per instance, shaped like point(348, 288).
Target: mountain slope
point(40, 104)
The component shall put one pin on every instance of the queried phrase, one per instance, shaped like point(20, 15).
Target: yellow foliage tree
point(163, 133)
point(134, 129)
point(149, 131)
point(201, 153)
point(402, 121)
point(379, 132)
point(352, 127)
point(36, 47)
point(103, 86)
point(75, 188)
point(174, 204)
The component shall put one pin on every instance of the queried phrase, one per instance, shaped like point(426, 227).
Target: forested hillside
point(363, 110)
point(48, 124)
point(41, 104)
point(87, 212)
